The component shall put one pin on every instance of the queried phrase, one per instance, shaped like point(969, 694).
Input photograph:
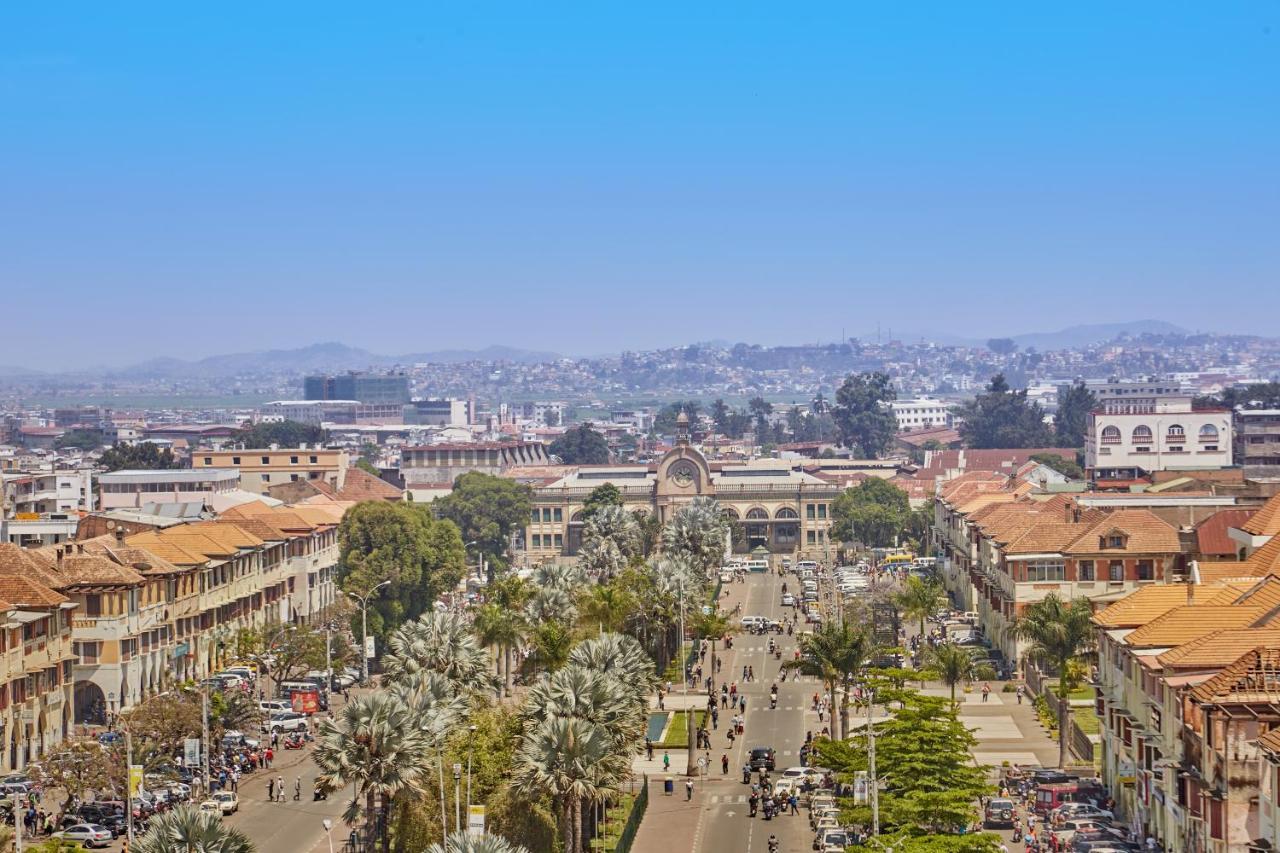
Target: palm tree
point(615, 525)
point(552, 642)
point(502, 629)
point(551, 603)
point(1058, 632)
point(599, 698)
point(606, 606)
point(620, 656)
point(431, 698)
point(378, 745)
point(920, 599)
point(834, 653)
point(954, 664)
point(574, 761)
point(461, 842)
point(186, 830)
point(601, 558)
point(699, 531)
point(438, 642)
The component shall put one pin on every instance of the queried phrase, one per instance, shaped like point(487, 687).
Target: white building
point(921, 413)
point(120, 489)
point(1130, 437)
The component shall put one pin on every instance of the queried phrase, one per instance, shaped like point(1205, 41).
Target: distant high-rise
point(361, 387)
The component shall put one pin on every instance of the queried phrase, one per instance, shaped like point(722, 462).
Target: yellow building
point(262, 468)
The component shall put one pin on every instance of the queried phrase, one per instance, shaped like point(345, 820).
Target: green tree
point(760, 410)
point(502, 628)
point(919, 599)
point(295, 650)
point(954, 665)
point(1059, 632)
point(1072, 418)
point(834, 653)
point(143, 456)
point(283, 433)
point(862, 415)
point(404, 543)
point(185, 829)
point(368, 467)
point(1259, 395)
point(78, 768)
point(873, 512)
point(581, 445)
point(603, 495)
point(720, 416)
point(697, 531)
point(929, 784)
point(664, 422)
point(1002, 346)
point(81, 439)
point(1003, 418)
point(1066, 467)
point(487, 509)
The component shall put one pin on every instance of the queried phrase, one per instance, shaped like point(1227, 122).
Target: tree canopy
point(403, 543)
point(603, 495)
point(82, 439)
point(664, 423)
point(1072, 419)
point(873, 512)
point(487, 509)
point(1264, 395)
point(1003, 418)
point(862, 416)
point(283, 433)
point(144, 455)
point(581, 445)
point(1066, 467)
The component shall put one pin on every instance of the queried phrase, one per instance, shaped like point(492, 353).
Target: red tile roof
point(1211, 534)
point(1266, 521)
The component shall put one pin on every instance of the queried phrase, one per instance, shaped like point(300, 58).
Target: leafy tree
point(164, 721)
point(1059, 632)
point(283, 433)
point(697, 532)
point(1003, 418)
point(650, 530)
point(760, 410)
point(834, 654)
point(862, 415)
point(1264, 395)
point(1002, 346)
point(295, 651)
point(81, 439)
point(605, 494)
point(873, 512)
point(487, 509)
point(78, 768)
point(143, 456)
point(1072, 419)
point(401, 542)
point(581, 445)
point(368, 467)
point(720, 416)
point(930, 785)
point(1066, 467)
point(954, 665)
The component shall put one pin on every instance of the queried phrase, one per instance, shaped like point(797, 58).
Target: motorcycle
point(294, 741)
point(318, 793)
point(777, 653)
point(746, 772)
point(773, 703)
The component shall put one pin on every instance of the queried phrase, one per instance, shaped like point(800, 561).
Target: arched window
point(729, 513)
point(1111, 435)
point(1208, 432)
point(757, 513)
point(1175, 432)
point(786, 512)
point(1142, 435)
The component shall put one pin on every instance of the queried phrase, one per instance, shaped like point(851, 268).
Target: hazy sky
point(184, 179)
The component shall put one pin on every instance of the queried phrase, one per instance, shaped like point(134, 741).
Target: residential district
point(962, 614)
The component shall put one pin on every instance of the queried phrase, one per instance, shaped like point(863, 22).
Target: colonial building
point(1129, 438)
point(261, 468)
point(438, 465)
point(773, 504)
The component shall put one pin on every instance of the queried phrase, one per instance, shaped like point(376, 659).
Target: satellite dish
point(111, 525)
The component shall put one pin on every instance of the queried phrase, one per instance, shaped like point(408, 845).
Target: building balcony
point(103, 627)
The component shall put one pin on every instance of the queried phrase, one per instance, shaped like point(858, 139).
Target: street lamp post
point(457, 797)
point(471, 740)
point(364, 626)
point(328, 825)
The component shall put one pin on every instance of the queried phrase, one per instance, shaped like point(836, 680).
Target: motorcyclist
point(773, 844)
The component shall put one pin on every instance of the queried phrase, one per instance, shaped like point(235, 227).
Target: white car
point(88, 834)
point(286, 721)
point(227, 801)
point(788, 600)
point(211, 807)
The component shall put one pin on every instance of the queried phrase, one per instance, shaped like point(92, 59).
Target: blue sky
point(587, 177)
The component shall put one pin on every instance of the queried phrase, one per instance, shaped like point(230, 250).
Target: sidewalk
point(670, 823)
point(1006, 730)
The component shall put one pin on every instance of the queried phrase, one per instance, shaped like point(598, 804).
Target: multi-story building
point(39, 492)
point(435, 465)
point(390, 388)
point(36, 660)
point(773, 504)
point(124, 489)
point(1257, 442)
point(317, 412)
point(1128, 438)
point(261, 468)
point(922, 413)
point(439, 412)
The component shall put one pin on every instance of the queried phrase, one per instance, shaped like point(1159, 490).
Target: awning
point(26, 617)
point(1188, 680)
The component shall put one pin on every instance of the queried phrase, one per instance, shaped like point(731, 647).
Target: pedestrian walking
point(271, 790)
point(648, 748)
point(280, 789)
point(986, 691)
point(724, 764)
point(1020, 691)
point(666, 761)
point(297, 789)
point(688, 789)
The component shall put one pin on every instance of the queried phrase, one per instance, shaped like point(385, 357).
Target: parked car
point(1078, 811)
point(286, 721)
point(228, 801)
point(274, 706)
point(788, 600)
point(1000, 812)
point(835, 841)
point(211, 807)
point(88, 834)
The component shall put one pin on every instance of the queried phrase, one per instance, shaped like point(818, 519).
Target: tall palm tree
point(438, 642)
point(552, 642)
point(834, 653)
point(954, 665)
point(615, 525)
point(551, 603)
point(606, 606)
point(502, 629)
point(186, 829)
point(699, 531)
point(574, 761)
point(1058, 632)
point(919, 599)
point(620, 656)
point(431, 698)
point(599, 698)
point(461, 842)
point(377, 744)
point(601, 558)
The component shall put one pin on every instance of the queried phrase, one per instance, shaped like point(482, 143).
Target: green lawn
point(678, 732)
point(1084, 691)
point(1087, 721)
point(618, 814)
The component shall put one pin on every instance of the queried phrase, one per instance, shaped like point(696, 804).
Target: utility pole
point(128, 788)
point(364, 627)
point(17, 823)
point(457, 797)
point(204, 737)
point(873, 786)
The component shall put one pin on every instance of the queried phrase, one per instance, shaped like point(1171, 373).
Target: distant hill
point(494, 352)
point(1096, 333)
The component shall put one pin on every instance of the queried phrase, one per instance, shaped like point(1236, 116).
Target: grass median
point(678, 732)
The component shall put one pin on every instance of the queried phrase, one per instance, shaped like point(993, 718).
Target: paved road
point(723, 823)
